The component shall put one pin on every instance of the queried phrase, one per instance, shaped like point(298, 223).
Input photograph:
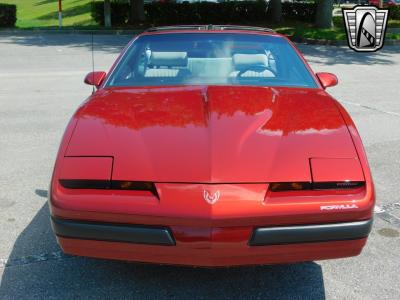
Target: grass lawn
point(76, 14)
point(44, 13)
point(336, 33)
point(394, 23)
point(308, 32)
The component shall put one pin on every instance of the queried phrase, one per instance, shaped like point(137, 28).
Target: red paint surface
point(327, 79)
point(235, 140)
point(336, 169)
point(96, 168)
point(229, 254)
point(95, 78)
point(240, 134)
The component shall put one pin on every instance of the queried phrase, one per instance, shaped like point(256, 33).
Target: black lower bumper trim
point(112, 232)
point(310, 233)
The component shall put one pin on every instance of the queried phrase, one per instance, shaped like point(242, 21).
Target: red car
point(385, 3)
point(211, 146)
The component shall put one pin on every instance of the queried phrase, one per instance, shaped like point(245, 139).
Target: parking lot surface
point(41, 85)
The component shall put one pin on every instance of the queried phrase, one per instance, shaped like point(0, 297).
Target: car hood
point(214, 134)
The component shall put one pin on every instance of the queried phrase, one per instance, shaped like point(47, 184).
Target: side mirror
point(95, 78)
point(327, 79)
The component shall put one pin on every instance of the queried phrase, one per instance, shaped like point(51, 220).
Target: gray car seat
point(167, 64)
point(251, 65)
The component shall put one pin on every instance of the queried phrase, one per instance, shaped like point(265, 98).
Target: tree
point(275, 8)
point(107, 13)
point(324, 14)
point(136, 11)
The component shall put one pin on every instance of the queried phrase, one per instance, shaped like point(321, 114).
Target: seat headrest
point(243, 61)
point(169, 59)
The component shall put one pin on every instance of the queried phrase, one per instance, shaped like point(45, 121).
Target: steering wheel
point(257, 68)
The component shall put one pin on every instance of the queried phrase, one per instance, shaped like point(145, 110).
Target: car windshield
point(211, 59)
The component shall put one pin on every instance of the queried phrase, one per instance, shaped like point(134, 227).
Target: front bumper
point(222, 246)
point(150, 235)
point(310, 233)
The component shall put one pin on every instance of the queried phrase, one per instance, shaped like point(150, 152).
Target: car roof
point(210, 29)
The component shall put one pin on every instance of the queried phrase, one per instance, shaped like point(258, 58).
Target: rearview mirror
point(327, 79)
point(95, 78)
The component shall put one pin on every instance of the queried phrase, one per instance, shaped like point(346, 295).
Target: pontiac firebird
point(211, 146)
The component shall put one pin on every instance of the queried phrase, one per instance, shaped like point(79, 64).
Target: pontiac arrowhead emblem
point(211, 199)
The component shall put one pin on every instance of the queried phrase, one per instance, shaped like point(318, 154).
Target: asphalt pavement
point(41, 85)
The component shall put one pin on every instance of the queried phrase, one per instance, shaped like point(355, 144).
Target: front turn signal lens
point(289, 186)
point(338, 185)
point(110, 185)
point(301, 186)
point(134, 185)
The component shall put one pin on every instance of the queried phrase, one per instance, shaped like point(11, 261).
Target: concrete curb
point(392, 42)
point(388, 42)
point(69, 31)
point(309, 41)
point(132, 32)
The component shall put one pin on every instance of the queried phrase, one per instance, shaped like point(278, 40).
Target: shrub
point(243, 12)
point(338, 21)
point(8, 15)
point(119, 13)
point(299, 11)
point(205, 12)
point(394, 13)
